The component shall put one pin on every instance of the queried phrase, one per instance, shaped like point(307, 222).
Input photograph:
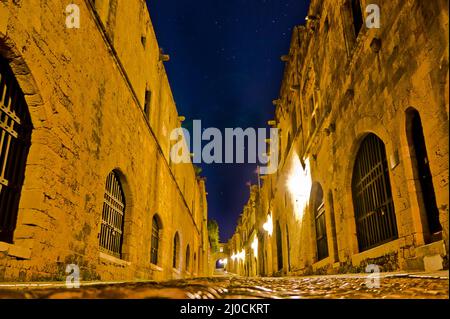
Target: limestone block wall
point(86, 89)
point(337, 88)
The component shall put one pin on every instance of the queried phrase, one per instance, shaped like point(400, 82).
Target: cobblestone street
point(392, 286)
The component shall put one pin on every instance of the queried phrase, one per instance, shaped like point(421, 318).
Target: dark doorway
point(279, 247)
point(422, 174)
point(320, 223)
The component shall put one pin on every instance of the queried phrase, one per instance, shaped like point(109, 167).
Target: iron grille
point(321, 232)
point(111, 233)
point(372, 196)
point(155, 241)
point(15, 139)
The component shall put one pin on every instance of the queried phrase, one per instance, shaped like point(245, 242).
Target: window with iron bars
point(15, 140)
point(156, 233)
point(111, 231)
point(372, 195)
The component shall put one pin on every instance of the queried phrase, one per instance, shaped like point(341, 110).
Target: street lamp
point(255, 246)
point(268, 225)
point(299, 185)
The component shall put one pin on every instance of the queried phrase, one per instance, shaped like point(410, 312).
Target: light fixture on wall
point(268, 225)
point(163, 57)
point(255, 246)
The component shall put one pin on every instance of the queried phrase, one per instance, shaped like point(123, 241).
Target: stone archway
point(221, 255)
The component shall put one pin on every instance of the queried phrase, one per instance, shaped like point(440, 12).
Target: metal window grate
point(15, 139)
point(155, 241)
point(372, 196)
point(111, 232)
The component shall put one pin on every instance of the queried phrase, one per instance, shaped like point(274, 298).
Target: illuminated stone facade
point(363, 175)
point(99, 189)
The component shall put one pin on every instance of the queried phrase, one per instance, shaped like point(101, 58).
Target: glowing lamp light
point(268, 225)
point(241, 255)
point(223, 261)
point(299, 184)
point(233, 257)
point(255, 246)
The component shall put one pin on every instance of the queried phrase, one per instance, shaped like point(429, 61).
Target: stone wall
point(337, 88)
point(86, 91)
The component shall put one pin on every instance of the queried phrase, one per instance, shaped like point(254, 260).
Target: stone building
point(85, 173)
point(363, 115)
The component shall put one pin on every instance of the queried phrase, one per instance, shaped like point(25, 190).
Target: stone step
point(429, 257)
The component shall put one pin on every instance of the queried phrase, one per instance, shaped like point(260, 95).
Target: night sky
point(225, 70)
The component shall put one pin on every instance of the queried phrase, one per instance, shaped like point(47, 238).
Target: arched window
point(111, 231)
point(195, 262)
point(372, 196)
point(188, 257)
point(357, 15)
point(320, 222)
point(176, 250)
point(15, 139)
point(155, 241)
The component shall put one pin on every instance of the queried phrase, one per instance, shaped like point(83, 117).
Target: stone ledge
point(322, 263)
point(379, 251)
point(15, 251)
point(156, 268)
point(113, 259)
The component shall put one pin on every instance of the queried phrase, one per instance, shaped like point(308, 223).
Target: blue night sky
point(225, 70)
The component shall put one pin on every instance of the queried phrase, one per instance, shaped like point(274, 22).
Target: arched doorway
point(320, 222)
point(372, 195)
point(422, 175)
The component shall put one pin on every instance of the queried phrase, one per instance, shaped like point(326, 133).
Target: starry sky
point(225, 70)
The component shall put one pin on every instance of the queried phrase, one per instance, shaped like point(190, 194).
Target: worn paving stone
point(326, 287)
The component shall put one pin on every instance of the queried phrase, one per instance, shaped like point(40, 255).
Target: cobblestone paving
point(234, 287)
